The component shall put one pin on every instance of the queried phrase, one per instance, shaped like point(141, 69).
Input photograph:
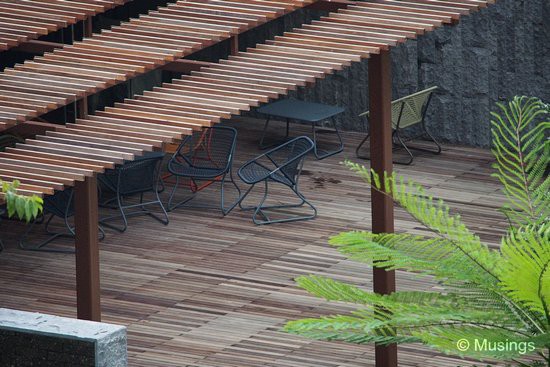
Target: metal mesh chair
point(59, 205)
point(140, 176)
point(205, 156)
point(406, 112)
point(282, 165)
point(9, 140)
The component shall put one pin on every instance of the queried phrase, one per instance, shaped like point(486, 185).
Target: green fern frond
point(522, 156)
point(435, 215)
point(487, 296)
point(346, 328)
point(525, 271)
point(333, 290)
point(433, 256)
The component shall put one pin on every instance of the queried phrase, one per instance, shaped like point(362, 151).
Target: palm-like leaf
point(501, 298)
point(522, 153)
point(435, 215)
point(525, 271)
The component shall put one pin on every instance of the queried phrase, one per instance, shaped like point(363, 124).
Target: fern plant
point(493, 303)
point(20, 206)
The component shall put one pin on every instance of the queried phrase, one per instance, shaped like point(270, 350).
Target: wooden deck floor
point(212, 291)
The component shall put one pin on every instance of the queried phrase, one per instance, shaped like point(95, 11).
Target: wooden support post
point(88, 28)
point(82, 107)
point(88, 298)
point(234, 45)
point(82, 104)
point(380, 91)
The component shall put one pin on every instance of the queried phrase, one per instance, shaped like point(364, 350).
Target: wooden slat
point(213, 93)
point(21, 21)
point(126, 51)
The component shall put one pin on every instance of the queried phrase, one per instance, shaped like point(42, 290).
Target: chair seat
point(254, 173)
point(196, 172)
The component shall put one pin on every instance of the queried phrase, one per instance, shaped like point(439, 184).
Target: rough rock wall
point(491, 55)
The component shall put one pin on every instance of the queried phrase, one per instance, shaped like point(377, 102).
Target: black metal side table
point(292, 109)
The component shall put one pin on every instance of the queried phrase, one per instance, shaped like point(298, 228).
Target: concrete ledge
point(34, 339)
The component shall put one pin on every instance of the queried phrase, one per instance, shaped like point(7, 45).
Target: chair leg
point(53, 235)
point(244, 196)
point(433, 139)
point(225, 210)
point(402, 143)
point(327, 153)
point(234, 204)
point(124, 215)
point(170, 205)
point(262, 209)
point(23, 245)
point(259, 210)
point(358, 149)
point(145, 211)
point(395, 135)
point(166, 219)
point(262, 144)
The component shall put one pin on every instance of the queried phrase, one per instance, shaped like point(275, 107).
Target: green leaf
point(23, 207)
point(525, 271)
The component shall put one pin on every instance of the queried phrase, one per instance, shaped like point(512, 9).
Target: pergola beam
point(380, 94)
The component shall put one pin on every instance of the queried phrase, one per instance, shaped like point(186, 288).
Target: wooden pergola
point(161, 37)
point(73, 154)
point(24, 21)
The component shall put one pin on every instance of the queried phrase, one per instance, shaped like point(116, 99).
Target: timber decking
point(221, 90)
point(213, 292)
point(22, 21)
point(75, 71)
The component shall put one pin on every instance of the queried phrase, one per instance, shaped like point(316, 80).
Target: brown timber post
point(234, 45)
point(380, 92)
point(88, 297)
point(82, 104)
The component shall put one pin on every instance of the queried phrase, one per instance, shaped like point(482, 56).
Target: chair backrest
point(290, 156)
point(209, 148)
point(141, 175)
point(409, 110)
point(9, 141)
point(60, 204)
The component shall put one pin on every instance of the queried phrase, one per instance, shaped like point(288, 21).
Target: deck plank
point(214, 292)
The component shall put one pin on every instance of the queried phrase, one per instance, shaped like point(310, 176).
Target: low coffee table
point(293, 109)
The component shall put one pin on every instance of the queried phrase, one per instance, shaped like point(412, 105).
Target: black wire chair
point(282, 165)
point(139, 176)
point(205, 156)
point(59, 205)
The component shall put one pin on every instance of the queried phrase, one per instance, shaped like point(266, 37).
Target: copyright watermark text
point(485, 345)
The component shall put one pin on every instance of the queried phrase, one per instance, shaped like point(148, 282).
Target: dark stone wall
point(491, 55)
point(18, 349)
